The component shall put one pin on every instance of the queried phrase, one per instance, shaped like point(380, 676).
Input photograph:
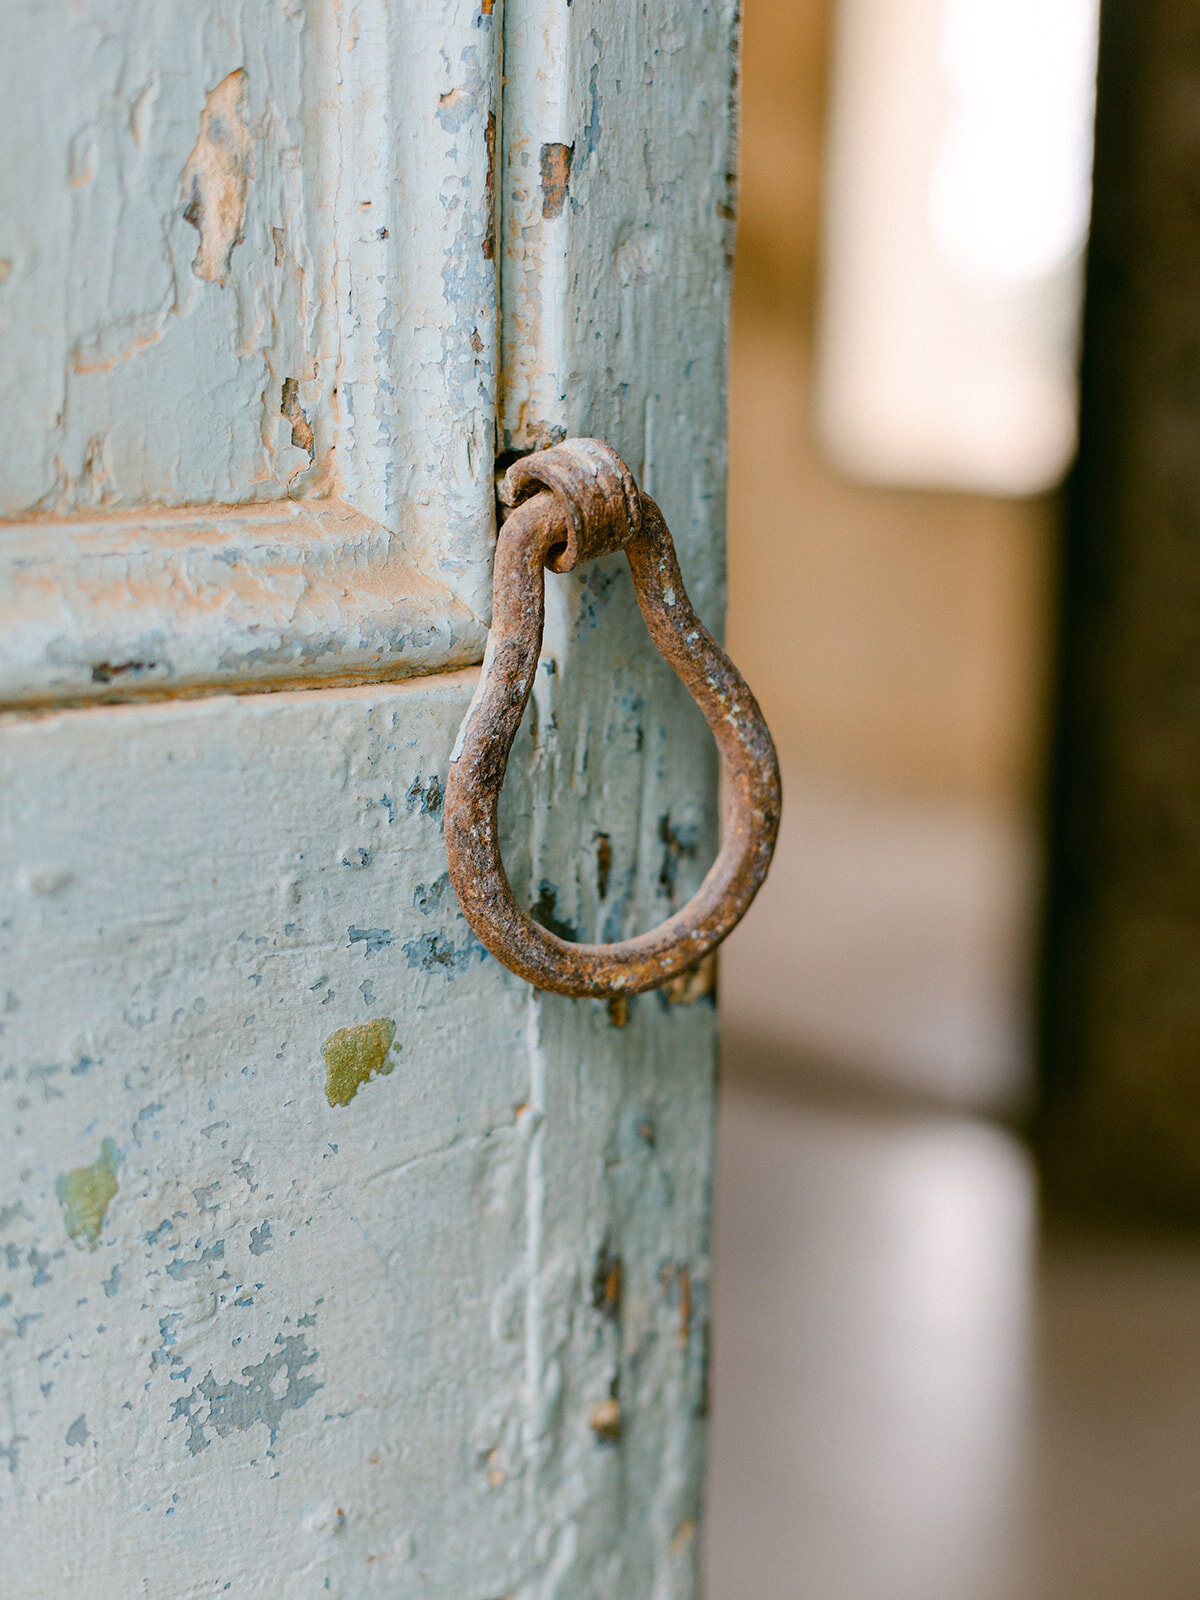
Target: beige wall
point(896, 639)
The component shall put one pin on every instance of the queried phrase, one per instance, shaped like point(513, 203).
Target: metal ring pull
point(572, 503)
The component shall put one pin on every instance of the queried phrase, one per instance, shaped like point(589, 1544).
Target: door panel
point(247, 257)
point(155, 187)
point(332, 1253)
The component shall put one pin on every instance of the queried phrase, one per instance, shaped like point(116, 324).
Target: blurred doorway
point(897, 640)
point(920, 1389)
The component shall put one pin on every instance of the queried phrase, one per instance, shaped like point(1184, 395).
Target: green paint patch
point(352, 1055)
point(84, 1194)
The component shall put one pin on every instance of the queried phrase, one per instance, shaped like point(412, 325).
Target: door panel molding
point(248, 261)
point(241, 598)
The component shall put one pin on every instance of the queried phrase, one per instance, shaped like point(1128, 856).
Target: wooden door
point(1119, 1124)
point(336, 1260)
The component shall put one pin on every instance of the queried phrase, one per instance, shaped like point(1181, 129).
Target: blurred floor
point(890, 945)
point(913, 1400)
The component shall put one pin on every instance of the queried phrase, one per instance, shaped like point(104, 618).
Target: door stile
point(616, 220)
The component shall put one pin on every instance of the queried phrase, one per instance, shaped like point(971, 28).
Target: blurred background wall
point(897, 640)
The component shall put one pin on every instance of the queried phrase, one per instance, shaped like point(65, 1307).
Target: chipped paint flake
point(84, 1194)
point(216, 179)
point(352, 1055)
point(291, 410)
point(432, 952)
point(606, 1421)
point(374, 939)
point(554, 164)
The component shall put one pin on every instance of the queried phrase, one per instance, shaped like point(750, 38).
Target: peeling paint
point(684, 1535)
point(606, 1420)
point(489, 237)
point(428, 897)
point(603, 864)
point(85, 1192)
point(685, 1307)
point(216, 178)
point(428, 798)
point(607, 1283)
point(679, 842)
point(432, 952)
point(195, 1266)
point(274, 1386)
point(545, 911)
point(591, 133)
point(375, 939)
point(677, 1286)
point(352, 1055)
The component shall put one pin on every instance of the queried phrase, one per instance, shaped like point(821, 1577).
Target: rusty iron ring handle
point(572, 503)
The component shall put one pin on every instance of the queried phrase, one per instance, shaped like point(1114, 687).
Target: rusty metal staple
point(572, 503)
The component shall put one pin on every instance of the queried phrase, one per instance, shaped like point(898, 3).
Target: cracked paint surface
point(277, 1384)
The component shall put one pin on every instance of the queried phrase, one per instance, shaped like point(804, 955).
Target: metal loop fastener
point(572, 503)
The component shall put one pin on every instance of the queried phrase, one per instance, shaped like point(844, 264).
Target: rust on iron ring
point(572, 503)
